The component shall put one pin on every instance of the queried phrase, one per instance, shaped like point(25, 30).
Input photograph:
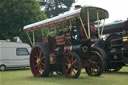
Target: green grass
point(24, 77)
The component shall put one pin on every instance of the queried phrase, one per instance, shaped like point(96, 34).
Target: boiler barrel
point(115, 27)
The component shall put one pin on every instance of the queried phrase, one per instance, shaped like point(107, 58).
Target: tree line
point(15, 14)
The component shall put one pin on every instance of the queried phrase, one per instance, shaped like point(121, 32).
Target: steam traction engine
point(67, 47)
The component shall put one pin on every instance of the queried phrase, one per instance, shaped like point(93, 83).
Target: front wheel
point(39, 61)
point(71, 65)
point(96, 64)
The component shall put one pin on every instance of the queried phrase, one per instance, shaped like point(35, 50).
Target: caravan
point(13, 54)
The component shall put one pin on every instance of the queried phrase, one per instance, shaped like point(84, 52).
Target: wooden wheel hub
point(38, 61)
point(69, 65)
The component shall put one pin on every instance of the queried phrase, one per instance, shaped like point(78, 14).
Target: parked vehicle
point(13, 54)
point(115, 45)
point(68, 46)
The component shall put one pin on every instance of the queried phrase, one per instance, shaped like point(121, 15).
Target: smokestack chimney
point(77, 7)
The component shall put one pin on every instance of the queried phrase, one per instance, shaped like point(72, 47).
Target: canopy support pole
point(102, 28)
point(42, 32)
point(29, 38)
point(33, 38)
point(84, 27)
point(70, 25)
point(55, 28)
point(88, 24)
point(98, 25)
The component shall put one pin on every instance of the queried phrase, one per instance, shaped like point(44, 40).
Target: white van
point(13, 54)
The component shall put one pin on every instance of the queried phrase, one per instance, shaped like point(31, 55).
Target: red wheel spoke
point(68, 59)
point(43, 64)
point(74, 61)
point(67, 69)
point(42, 58)
point(72, 58)
point(37, 54)
point(40, 55)
point(97, 63)
point(37, 65)
point(73, 71)
point(41, 70)
point(75, 66)
point(35, 61)
point(66, 64)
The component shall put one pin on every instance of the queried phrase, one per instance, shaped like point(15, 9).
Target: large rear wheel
point(71, 65)
point(95, 62)
point(39, 61)
point(102, 52)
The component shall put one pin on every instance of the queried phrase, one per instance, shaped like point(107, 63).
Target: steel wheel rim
point(70, 66)
point(37, 61)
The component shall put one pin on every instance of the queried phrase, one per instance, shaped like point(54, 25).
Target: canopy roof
point(82, 12)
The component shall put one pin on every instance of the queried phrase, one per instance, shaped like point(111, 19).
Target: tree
point(14, 14)
point(55, 7)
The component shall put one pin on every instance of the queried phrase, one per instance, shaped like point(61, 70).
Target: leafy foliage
point(55, 7)
point(14, 14)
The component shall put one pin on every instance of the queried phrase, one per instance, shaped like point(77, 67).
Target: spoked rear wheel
point(39, 61)
point(95, 62)
point(71, 65)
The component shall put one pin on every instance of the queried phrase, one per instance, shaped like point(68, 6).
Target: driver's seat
point(92, 32)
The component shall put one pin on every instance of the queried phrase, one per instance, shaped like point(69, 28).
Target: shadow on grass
point(60, 78)
point(16, 69)
point(121, 73)
point(53, 77)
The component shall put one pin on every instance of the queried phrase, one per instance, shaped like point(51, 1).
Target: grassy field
point(24, 77)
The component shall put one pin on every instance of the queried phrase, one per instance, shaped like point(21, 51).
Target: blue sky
point(118, 9)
